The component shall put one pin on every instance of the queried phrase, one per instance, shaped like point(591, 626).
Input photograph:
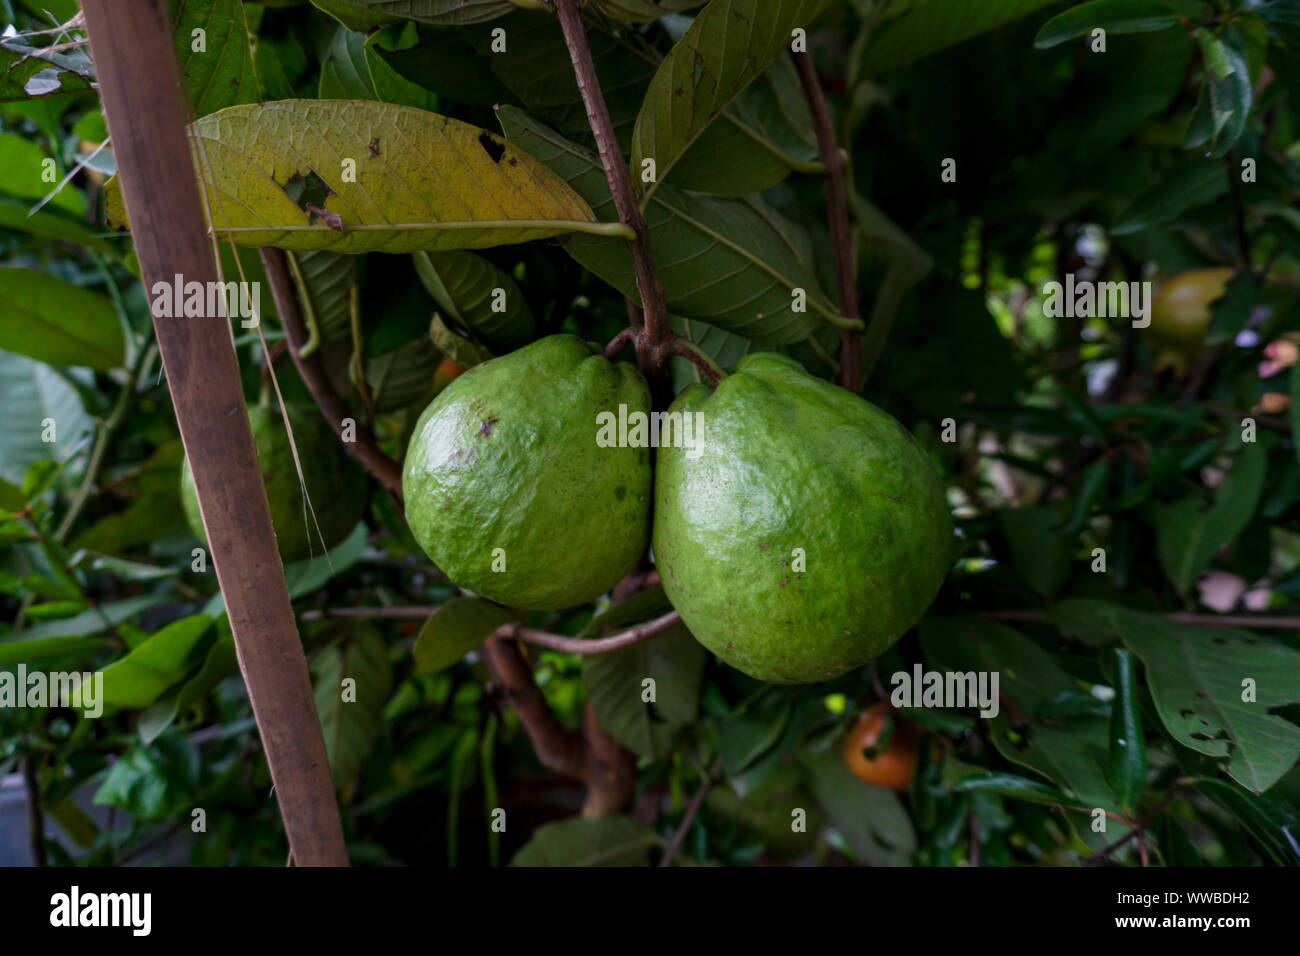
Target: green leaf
point(28, 72)
point(754, 144)
point(731, 263)
point(23, 173)
point(95, 621)
point(465, 287)
point(422, 181)
point(1225, 101)
point(674, 661)
point(155, 781)
point(595, 841)
point(727, 46)
point(325, 281)
point(1041, 552)
point(744, 737)
point(642, 606)
point(36, 395)
point(871, 819)
point(355, 14)
point(1196, 675)
point(145, 674)
point(448, 64)
point(925, 26)
point(1190, 183)
point(965, 778)
point(344, 73)
point(455, 629)
point(52, 225)
point(1113, 16)
point(351, 717)
point(391, 86)
point(1272, 822)
point(1187, 537)
point(456, 12)
point(1127, 765)
point(644, 11)
point(222, 73)
point(25, 650)
point(50, 320)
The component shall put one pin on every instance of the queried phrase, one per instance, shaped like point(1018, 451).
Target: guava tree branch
point(692, 811)
point(312, 370)
point(837, 213)
point(555, 642)
point(620, 183)
point(557, 747)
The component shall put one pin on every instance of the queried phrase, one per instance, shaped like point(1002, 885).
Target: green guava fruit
point(804, 532)
point(507, 488)
point(336, 484)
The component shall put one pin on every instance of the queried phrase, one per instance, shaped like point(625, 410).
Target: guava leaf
point(50, 320)
point(422, 181)
point(28, 72)
point(1273, 822)
point(871, 819)
point(644, 11)
point(462, 351)
point(728, 45)
point(455, 12)
point(390, 86)
point(222, 73)
point(1187, 537)
point(464, 286)
point(1113, 16)
point(733, 263)
point(597, 841)
point(910, 31)
point(455, 629)
point(351, 726)
point(324, 280)
point(1190, 183)
point(675, 662)
point(22, 174)
point(752, 145)
point(344, 73)
point(145, 674)
point(33, 392)
point(51, 225)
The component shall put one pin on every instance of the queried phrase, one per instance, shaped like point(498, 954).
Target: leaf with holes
point(31, 72)
point(351, 714)
point(422, 181)
point(728, 45)
point(674, 661)
point(734, 263)
point(467, 288)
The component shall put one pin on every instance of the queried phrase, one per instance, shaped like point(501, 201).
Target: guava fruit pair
point(335, 483)
point(798, 538)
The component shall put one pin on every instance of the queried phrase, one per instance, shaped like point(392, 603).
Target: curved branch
point(697, 357)
point(837, 213)
point(312, 370)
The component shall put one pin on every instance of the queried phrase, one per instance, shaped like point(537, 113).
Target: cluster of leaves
point(1114, 165)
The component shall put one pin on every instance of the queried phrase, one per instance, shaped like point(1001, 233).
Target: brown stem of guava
point(314, 376)
point(837, 213)
point(697, 357)
point(692, 810)
point(617, 343)
point(620, 186)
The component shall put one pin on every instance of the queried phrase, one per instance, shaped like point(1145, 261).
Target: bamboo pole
point(145, 106)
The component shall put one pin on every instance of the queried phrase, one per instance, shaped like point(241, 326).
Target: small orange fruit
point(892, 767)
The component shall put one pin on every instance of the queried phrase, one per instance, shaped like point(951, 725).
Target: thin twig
point(692, 809)
point(314, 376)
point(837, 214)
point(620, 184)
point(556, 642)
point(617, 343)
point(1139, 829)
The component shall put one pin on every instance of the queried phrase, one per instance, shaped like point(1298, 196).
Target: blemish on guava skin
point(620, 492)
point(486, 427)
point(763, 546)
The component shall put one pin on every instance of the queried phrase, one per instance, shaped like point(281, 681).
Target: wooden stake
point(146, 112)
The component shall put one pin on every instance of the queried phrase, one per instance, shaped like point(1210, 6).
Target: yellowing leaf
point(355, 176)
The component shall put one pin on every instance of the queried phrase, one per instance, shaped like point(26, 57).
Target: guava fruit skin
point(790, 461)
point(336, 484)
point(506, 457)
